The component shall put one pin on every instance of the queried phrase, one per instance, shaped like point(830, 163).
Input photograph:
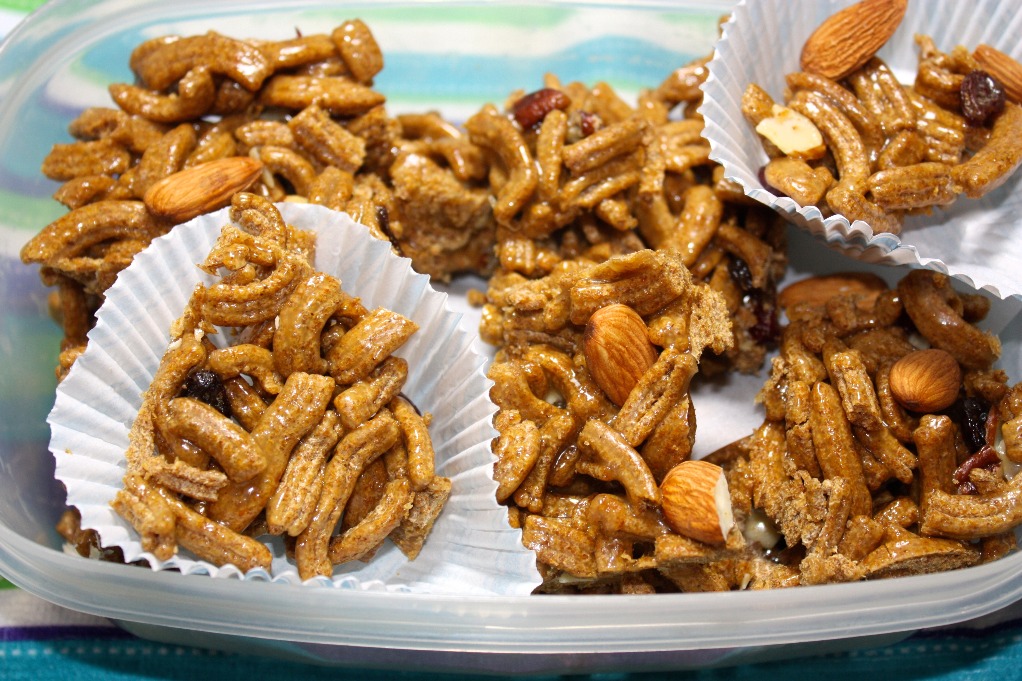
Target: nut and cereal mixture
point(320, 430)
point(860, 477)
point(627, 268)
point(567, 200)
point(294, 119)
point(853, 140)
point(621, 267)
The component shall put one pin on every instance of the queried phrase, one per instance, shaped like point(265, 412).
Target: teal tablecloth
point(42, 641)
point(39, 640)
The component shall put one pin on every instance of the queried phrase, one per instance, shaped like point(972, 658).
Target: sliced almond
point(1003, 68)
point(696, 501)
point(617, 350)
point(848, 39)
point(792, 133)
point(201, 189)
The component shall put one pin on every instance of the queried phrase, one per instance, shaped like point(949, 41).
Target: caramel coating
point(87, 226)
point(339, 96)
point(292, 504)
point(299, 406)
point(238, 454)
point(992, 165)
point(358, 49)
point(300, 323)
point(196, 93)
point(418, 445)
point(929, 300)
point(495, 132)
point(365, 345)
point(297, 445)
point(160, 62)
point(103, 157)
point(355, 451)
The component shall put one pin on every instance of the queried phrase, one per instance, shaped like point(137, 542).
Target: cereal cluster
point(294, 119)
point(297, 421)
point(878, 458)
point(626, 266)
point(581, 177)
point(857, 142)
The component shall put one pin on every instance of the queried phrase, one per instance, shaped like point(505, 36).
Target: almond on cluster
point(816, 291)
point(696, 501)
point(206, 187)
point(926, 381)
point(848, 39)
point(617, 350)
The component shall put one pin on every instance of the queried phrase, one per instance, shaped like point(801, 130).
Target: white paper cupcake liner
point(471, 550)
point(976, 241)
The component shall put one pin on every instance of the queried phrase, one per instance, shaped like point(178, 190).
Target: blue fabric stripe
point(966, 632)
point(490, 78)
point(933, 656)
point(988, 648)
point(41, 634)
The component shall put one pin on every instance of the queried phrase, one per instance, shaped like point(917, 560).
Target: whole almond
point(849, 38)
point(1003, 68)
point(617, 350)
point(200, 189)
point(926, 381)
point(696, 502)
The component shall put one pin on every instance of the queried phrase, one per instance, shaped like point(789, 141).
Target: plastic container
point(453, 57)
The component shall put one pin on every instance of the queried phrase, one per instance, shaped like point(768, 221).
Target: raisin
point(982, 97)
point(383, 222)
point(740, 274)
point(767, 328)
point(530, 110)
point(974, 423)
point(206, 386)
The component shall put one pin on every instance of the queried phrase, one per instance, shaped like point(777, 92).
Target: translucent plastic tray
point(452, 57)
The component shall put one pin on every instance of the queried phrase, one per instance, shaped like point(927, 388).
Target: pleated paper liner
point(975, 240)
point(471, 550)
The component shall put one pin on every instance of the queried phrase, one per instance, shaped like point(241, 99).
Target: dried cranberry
point(986, 457)
point(206, 386)
point(766, 329)
point(967, 487)
point(588, 123)
point(982, 97)
point(531, 109)
point(974, 423)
